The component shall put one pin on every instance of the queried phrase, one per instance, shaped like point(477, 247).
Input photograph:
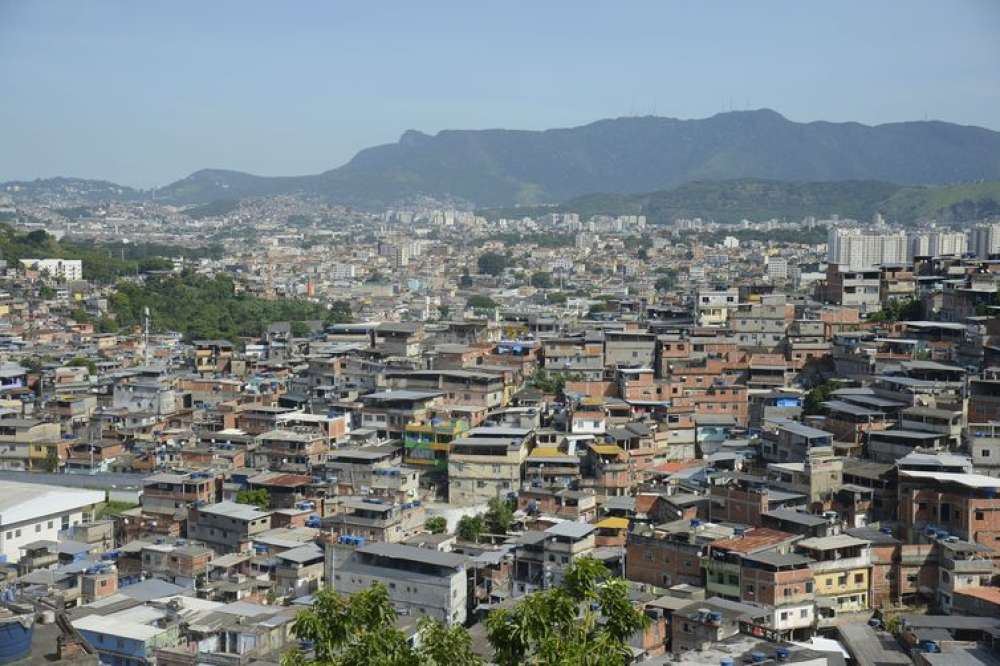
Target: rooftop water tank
point(15, 637)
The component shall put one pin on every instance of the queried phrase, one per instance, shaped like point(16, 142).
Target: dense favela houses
point(789, 451)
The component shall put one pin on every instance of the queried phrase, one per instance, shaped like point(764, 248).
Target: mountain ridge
point(627, 155)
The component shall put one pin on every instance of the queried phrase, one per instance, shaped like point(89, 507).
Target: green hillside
point(753, 199)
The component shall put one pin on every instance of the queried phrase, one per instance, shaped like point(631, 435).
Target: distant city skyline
point(145, 94)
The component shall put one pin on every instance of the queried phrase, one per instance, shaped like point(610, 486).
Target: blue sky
point(144, 93)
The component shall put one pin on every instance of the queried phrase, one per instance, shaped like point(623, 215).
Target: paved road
point(121, 487)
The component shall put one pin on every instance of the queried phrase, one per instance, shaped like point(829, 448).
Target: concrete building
point(855, 249)
point(984, 240)
point(227, 527)
point(30, 512)
point(60, 269)
point(777, 268)
point(487, 462)
point(420, 580)
point(714, 305)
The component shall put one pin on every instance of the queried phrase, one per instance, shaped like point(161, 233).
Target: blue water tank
point(758, 657)
point(15, 639)
point(726, 661)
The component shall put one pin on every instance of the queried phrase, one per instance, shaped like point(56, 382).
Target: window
point(49, 525)
point(10, 535)
point(842, 580)
point(980, 515)
point(784, 616)
point(985, 453)
point(38, 527)
point(17, 533)
point(804, 612)
point(859, 578)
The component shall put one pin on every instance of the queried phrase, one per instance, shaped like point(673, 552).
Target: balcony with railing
point(841, 564)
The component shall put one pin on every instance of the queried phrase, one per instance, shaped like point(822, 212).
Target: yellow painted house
point(841, 571)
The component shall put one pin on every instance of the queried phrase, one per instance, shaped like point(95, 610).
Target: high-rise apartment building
point(984, 240)
point(856, 249)
point(937, 244)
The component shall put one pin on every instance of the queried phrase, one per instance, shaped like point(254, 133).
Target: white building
point(730, 242)
point(343, 272)
point(714, 305)
point(984, 240)
point(777, 268)
point(63, 269)
point(34, 512)
point(420, 581)
point(937, 244)
point(855, 249)
point(944, 244)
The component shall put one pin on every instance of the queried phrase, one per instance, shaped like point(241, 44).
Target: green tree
point(436, 525)
point(81, 362)
point(481, 302)
point(541, 280)
point(598, 308)
point(51, 463)
point(667, 280)
point(300, 329)
point(80, 316)
point(360, 630)
point(207, 307)
point(339, 313)
point(818, 395)
point(470, 528)
point(107, 325)
point(46, 293)
point(499, 516)
point(259, 498)
point(546, 382)
point(491, 263)
point(587, 620)
point(445, 646)
point(903, 310)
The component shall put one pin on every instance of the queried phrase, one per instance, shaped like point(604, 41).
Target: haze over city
point(143, 94)
point(546, 334)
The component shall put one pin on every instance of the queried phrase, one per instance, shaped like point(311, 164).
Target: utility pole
point(145, 337)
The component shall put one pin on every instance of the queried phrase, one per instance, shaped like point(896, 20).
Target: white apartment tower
point(984, 240)
point(856, 249)
point(937, 244)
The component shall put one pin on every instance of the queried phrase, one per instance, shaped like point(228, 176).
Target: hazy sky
point(143, 93)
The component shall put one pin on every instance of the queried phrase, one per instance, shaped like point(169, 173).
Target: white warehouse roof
point(20, 502)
